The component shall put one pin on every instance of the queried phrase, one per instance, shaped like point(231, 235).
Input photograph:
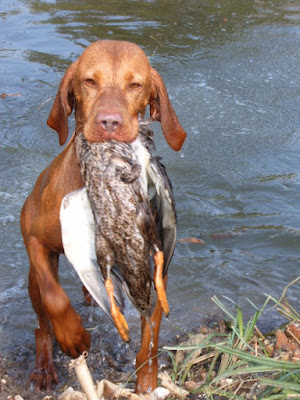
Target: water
point(232, 69)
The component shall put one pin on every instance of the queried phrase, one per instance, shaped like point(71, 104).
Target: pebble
point(281, 340)
point(270, 349)
point(192, 385)
point(294, 328)
point(160, 393)
point(283, 343)
point(297, 354)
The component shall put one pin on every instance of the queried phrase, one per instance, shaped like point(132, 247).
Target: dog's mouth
point(106, 126)
point(112, 126)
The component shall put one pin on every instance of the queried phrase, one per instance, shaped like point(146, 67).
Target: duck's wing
point(159, 190)
point(78, 236)
point(163, 208)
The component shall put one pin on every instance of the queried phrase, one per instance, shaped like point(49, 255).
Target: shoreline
point(14, 368)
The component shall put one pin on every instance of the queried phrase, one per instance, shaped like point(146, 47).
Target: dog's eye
point(135, 85)
point(90, 82)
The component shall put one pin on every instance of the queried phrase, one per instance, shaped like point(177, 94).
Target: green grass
point(238, 363)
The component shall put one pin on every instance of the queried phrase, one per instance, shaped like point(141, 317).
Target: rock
point(222, 326)
point(296, 355)
point(293, 329)
point(160, 393)
point(204, 330)
point(281, 340)
point(192, 385)
point(109, 390)
point(18, 397)
point(283, 343)
point(270, 350)
point(71, 394)
point(285, 356)
point(203, 375)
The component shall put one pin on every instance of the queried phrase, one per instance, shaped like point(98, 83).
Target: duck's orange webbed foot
point(159, 282)
point(116, 313)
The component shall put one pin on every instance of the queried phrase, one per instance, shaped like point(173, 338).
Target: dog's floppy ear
point(63, 105)
point(161, 110)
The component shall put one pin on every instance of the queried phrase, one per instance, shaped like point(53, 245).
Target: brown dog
point(110, 85)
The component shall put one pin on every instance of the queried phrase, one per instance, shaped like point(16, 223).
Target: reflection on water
point(233, 74)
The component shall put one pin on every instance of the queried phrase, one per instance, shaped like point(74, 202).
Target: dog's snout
point(109, 121)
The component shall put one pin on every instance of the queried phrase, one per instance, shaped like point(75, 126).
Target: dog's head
point(110, 85)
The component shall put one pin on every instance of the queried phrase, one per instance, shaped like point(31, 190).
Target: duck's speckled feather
point(127, 187)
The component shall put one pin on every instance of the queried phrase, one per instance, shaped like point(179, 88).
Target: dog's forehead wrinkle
point(114, 59)
point(113, 50)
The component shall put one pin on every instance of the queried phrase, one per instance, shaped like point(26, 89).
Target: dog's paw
point(44, 378)
point(70, 334)
point(68, 329)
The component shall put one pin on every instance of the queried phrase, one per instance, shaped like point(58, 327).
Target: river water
point(232, 69)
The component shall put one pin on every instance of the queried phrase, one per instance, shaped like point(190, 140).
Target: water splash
point(151, 344)
point(92, 310)
point(130, 352)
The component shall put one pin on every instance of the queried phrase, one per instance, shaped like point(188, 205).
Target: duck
point(119, 230)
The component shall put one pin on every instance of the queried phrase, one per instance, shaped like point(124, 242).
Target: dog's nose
point(109, 121)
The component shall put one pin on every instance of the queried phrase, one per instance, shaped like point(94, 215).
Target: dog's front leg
point(51, 304)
